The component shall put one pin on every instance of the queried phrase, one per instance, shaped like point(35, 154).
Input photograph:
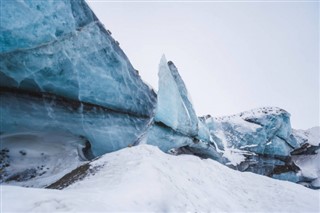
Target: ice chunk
point(276, 147)
point(265, 143)
point(263, 131)
point(174, 108)
point(275, 120)
point(166, 138)
point(288, 176)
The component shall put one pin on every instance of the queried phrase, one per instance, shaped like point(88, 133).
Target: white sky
point(233, 56)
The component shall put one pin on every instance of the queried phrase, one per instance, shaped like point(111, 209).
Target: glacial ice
point(61, 48)
point(268, 145)
point(105, 129)
point(61, 72)
point(203, 133)
point(166, 138)
point(288, 176)
point(174, 108)
point(264, 131)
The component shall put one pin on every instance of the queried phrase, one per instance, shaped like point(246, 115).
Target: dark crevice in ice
point(249, 120)
point(306, 149)
point(62, 101)
point(159, 123)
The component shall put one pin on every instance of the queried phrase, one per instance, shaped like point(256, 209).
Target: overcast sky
point(233, 56)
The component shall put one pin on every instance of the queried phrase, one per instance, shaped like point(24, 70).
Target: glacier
point(105, 129)
point(63, 74)
point(262, 141)
point(69, 53)
point(62, 71)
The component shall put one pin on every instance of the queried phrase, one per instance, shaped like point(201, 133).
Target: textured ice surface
point(264, 131)
point(174, 108)
point(289, 176)
point(262, 141)
point(61, 48)
point(105, 129)
point(61, 71)
point(203, 133)
point(166, 138)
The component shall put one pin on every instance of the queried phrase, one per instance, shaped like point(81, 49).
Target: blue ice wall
point(105, 129)
point(60, 47)
point(60, 70)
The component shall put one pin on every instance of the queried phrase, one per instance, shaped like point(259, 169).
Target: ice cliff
point(67, 87)
point(62, 71)
point(61, 48)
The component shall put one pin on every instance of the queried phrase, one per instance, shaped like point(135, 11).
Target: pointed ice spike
point(174, 107)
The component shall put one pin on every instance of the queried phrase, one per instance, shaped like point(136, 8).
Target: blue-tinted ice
point(174, 108)
point(60, 47)
point(62, 72)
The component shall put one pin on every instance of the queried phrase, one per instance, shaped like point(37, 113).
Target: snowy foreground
point(143, 178)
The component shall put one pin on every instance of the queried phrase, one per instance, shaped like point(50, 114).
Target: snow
point(143, 178)
point(314, 135)
point(43, 155)
point(235, 156)
point(310, 167)
point(311, 136)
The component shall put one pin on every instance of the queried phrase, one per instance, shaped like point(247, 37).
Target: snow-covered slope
point(143, 178)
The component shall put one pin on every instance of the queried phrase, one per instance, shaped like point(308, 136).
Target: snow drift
point(143, 178)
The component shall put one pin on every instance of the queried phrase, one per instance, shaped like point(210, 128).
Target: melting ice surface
point(61, 72)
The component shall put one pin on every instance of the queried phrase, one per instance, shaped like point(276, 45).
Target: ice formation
point(61, 48)
point(62, 74)
point(62, 71)
point(262, 141)
point(105, 129)
point(174, 107)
